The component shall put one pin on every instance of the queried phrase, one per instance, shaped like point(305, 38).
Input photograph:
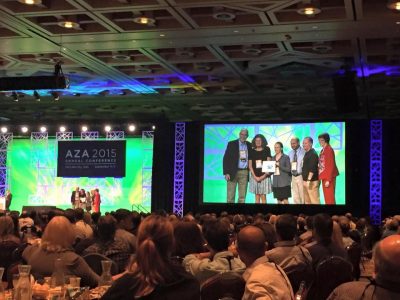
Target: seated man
point(386, 284)
point(286, 254)
point(264, 280)
point(323, 246)
point(124, 227)
point(219, 259)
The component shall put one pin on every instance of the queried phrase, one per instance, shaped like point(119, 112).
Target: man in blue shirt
point(296, 161)
point(236, 167)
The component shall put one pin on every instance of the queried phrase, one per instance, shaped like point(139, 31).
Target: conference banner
point(91, 158)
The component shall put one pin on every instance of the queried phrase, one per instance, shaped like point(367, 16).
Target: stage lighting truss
point(115, 135)
point(179, 168)
point(89, 135)
point(64, 135)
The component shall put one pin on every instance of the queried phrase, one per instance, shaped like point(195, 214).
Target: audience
point(267, 249)
point(153, 275)
point(386, 284)
point(264, 280)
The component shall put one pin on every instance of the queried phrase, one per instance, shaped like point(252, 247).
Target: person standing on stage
point(282, 175)
point(96, 201)
point(260, 183)
point(236, 167)
point(8, 198)
point(296, 161)
point(327, 168)
point(310, 173)
point(88, 202)
point(75, 198)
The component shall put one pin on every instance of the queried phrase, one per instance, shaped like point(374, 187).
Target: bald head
point(387, 262)
point(251, 244)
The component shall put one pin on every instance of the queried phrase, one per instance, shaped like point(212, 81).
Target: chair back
point(330, 273)
point(354, 254)
point(6, 255)
point(94, 262)
point(227, 285)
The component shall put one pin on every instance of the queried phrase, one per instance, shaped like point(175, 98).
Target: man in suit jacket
point(236, 167)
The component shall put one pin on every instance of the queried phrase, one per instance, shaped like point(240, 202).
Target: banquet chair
point(227, 285)
point(354, 254)
point(94, 262)
point(330, 273)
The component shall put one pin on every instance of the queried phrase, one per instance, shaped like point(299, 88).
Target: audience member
point(57, 241)
point(219, 259)
point(323, 245)
point(153, 275)
point(124, 226)
point(386, 284)
point(83, 230)
point(7, 230)
point(264, 280)
point(286, 254)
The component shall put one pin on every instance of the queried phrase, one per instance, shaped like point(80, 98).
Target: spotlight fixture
point(308, 8)
point(43, 129)
point(153, 127)
point(62, 129)
point(24, 129)
point(131, 128)
point(143, 20)
point(56, 96)
point(15, 96)
point(4, 129)
point(107, 128)
point(31, 2)
point(84, 128)
point(68, 24)
point(392, 4)
point(37, 96)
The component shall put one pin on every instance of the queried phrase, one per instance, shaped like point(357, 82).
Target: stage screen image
point(32, 177)
point(217, 136)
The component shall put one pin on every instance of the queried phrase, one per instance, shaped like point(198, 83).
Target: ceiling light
point(131, 128)
point(31, 2)
point(252, 50)
point(162, 35)
point(69, 24)
point(308, 8)
point(56, 96)
point(43, 129)
point(392, 4)
point(153, 127)
point(144, 21)
point(15, 96)
point(107, 128)
point(84, 128)
point(37, 96)
point(4, 129)
point(62, 129)
point(223, 15)
point(24, 129)
point(140, 69)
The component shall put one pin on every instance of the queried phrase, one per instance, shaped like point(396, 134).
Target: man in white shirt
point(296, 161)
point(264, 280)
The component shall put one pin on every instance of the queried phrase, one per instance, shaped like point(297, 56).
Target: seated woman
point(57, 241)
point(152, 274)
point(188, 239)
point(106, 245)
point(7, 230)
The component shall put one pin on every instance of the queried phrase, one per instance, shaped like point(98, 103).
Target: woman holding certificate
point(282, 175)
point(260, 182)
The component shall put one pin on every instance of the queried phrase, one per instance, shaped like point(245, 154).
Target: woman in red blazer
point(327, 168)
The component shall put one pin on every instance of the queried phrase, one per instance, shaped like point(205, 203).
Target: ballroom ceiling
point(204, 60)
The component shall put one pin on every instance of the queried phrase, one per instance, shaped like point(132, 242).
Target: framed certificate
point(268, 166)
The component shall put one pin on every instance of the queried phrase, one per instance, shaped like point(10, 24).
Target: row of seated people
point(173, 257)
